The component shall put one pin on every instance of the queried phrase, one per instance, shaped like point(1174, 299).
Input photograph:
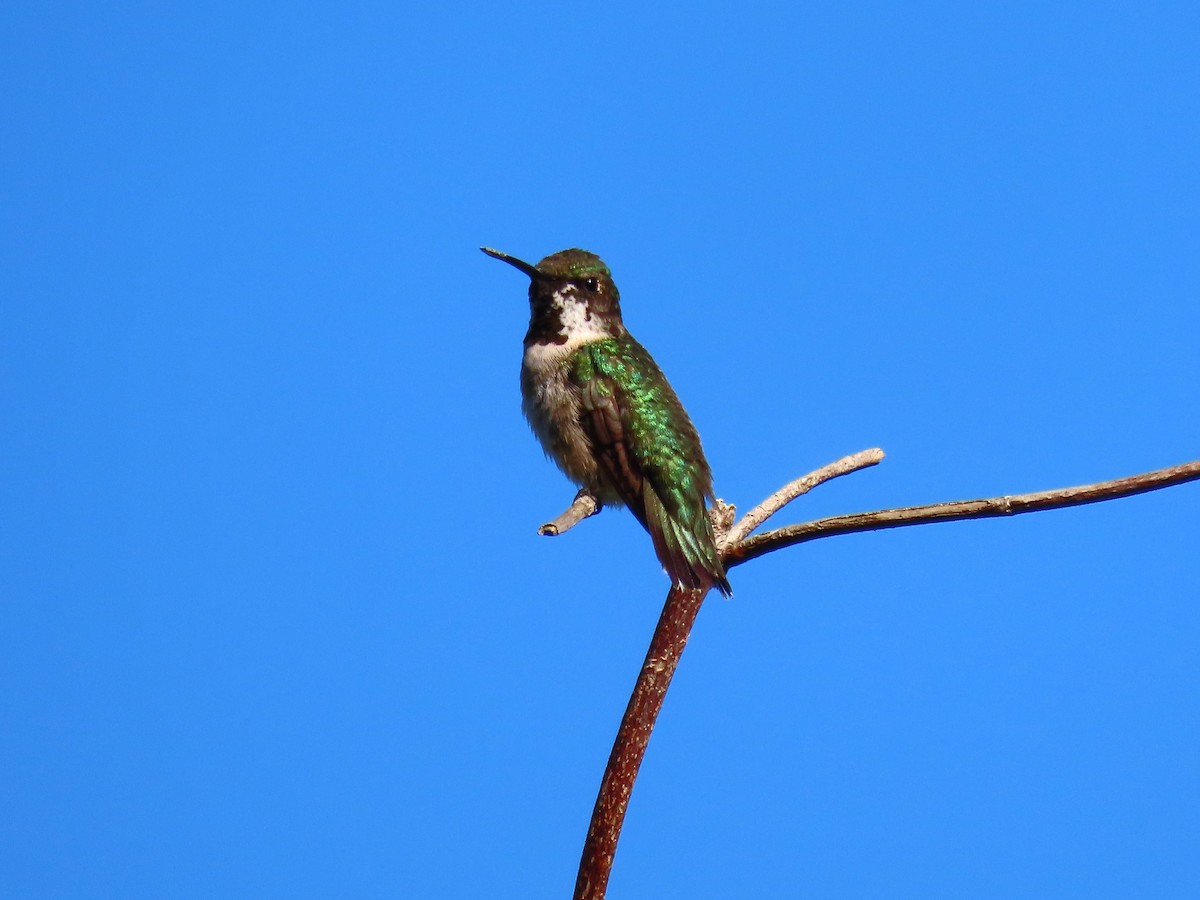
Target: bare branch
point(797, 488)
point(670, 637)
point(581, 507)
point(679, 612)
point(961, 509)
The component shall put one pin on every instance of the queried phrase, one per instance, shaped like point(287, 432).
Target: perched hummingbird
point(603, 410)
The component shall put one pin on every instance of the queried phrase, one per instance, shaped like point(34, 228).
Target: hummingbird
point(604, 412)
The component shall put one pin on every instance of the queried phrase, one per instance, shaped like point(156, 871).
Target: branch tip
point(583, 506)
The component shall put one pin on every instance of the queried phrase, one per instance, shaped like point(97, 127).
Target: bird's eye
point(592, 284)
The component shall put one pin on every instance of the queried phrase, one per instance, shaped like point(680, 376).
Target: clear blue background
point(275, 621)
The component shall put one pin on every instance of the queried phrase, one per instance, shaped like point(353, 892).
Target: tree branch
point(581, 507)
point(800, 486)
point(682, 606)
point(670, 637)
point(961, 509)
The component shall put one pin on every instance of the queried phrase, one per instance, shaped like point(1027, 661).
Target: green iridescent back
point(666, 479)
point(658, 431)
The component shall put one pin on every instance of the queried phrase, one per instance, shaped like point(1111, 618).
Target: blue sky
point(275, 621)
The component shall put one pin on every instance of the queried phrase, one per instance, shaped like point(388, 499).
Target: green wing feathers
point(689, 554)
point(650, 454)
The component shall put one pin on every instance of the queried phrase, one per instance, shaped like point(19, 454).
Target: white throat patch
point(576, 325)
point(573, 313)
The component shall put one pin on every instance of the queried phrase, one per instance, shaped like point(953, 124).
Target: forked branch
point(737, 547)
point(960, 509)
point(797, 488)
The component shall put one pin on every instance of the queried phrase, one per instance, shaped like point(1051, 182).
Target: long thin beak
point(525, 267)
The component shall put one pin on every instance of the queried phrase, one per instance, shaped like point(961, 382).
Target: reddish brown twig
point(670, 637)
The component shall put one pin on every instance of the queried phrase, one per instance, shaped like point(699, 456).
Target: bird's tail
point(688, 552)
